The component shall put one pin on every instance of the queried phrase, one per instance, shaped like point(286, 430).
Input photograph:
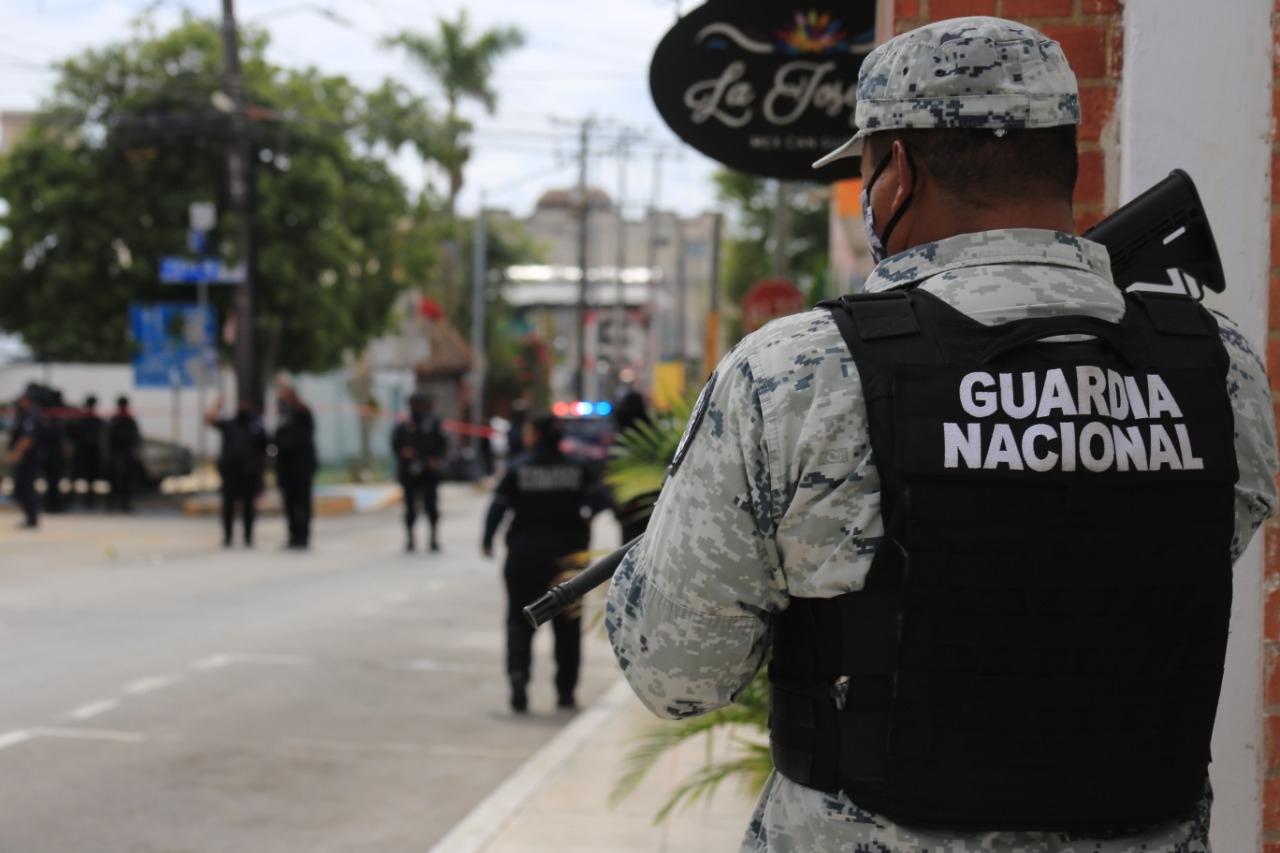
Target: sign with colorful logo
point(766, 87)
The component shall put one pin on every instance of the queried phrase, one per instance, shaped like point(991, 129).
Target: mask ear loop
point(893, 220)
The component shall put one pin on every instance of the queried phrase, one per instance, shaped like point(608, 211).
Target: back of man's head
point(989, 105)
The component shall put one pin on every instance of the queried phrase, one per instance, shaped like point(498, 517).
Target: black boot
point(408, 542)
point(435, 545)
point(519, 695)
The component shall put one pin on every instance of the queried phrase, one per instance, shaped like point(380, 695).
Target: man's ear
point(905, 175)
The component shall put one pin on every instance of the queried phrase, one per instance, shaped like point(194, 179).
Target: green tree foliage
point(748, 247)
point(463, 68)
point(99, 191)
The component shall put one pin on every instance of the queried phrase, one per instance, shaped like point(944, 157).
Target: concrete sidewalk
point(559, 800)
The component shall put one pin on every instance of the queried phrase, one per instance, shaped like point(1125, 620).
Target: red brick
point(940, 10)
point(1024, 9)
point(1271, 694)
point(1092, 184)
point(906, 9)
point(1273, 304)
point(1273, 364)
point(1084, 220)
point(1275, 240)
point(1275, 50)
point(1085, 46)
point(1101, 7)
point(1271, 847)
point(1275, 188)
point(1096, 105)
point(1271, 738)
point(1271, 805)
point(1271, 615)
point(1271, 541)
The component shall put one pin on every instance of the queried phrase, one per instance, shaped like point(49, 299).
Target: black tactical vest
point(1040, 641)
point(551, 490)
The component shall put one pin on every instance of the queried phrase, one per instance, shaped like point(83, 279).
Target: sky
point(581, 61)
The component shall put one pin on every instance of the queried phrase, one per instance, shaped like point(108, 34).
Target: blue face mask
point(874, 241)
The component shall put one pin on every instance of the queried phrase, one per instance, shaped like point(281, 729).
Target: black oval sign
point(765, 87)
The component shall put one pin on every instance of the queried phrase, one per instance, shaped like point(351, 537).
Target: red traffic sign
point(768, 300)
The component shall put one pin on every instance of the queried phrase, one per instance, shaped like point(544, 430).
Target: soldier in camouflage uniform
point(775, 498)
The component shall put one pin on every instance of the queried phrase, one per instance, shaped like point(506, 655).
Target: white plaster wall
point(1196, 95)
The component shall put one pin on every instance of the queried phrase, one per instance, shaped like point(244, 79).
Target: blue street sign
point(175, 340)
point(174, 270)
point(196, 241)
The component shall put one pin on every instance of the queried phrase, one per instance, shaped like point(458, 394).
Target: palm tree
point(463, 68)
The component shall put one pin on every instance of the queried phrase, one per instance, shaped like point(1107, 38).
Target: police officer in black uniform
point(295, 451)
point(124, 446)
point(87, 439)
point(551, 499)
point(24, 457)
point(241, 465)
point(53, 452)
point(419, 446)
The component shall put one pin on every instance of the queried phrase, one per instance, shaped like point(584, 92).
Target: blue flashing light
point(582, 407)
point(603, 407)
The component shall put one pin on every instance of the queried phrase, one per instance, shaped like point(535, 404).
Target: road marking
point(429, 665)
point(90, 734)
point(152, 683)
point(93, 709)
point(491, 816)
point(274, 660)
point(211, 662)
point(11, 738)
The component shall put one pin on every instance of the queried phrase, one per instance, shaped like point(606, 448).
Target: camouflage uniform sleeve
point(1255, 436)
point(688, 609)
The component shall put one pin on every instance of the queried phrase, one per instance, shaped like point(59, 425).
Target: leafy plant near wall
point(735, 742)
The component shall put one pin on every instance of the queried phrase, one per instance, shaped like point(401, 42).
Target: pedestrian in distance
point(992, 566)
point(53, 451)
point(124, 449)
point(88, 443)
point(242, 461)
point(551, 499)
point(419, 446)
point(23, 457)
point(295, 456)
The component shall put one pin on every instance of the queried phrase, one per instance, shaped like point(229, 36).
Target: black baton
point(560, 598)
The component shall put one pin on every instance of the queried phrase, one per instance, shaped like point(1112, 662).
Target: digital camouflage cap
point(963, 73)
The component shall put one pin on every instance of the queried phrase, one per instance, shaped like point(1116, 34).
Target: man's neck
point(952, 221)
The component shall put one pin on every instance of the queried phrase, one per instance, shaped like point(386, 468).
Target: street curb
point(487, 820)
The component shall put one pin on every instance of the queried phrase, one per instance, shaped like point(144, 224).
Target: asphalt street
point(160, 693)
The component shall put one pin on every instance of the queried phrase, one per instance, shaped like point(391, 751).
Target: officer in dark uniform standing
point(295, 450)
point(241, 465)
point(53, 452)
point(87, 439)
point(551, 499)
point(124, 446)
point(419, 446)
point(24, 457)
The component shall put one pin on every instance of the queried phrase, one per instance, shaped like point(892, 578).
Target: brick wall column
point(1271, 558)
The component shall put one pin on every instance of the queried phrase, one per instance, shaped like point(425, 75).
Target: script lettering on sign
point(763, 87)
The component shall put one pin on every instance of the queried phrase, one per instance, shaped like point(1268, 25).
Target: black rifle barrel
point(560, 598)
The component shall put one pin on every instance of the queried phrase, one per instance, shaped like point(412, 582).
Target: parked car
point(160, 458)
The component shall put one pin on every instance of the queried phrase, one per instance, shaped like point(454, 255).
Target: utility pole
point(619, 302)
point(249, 385)
point(584, 210)
point(479, 251)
